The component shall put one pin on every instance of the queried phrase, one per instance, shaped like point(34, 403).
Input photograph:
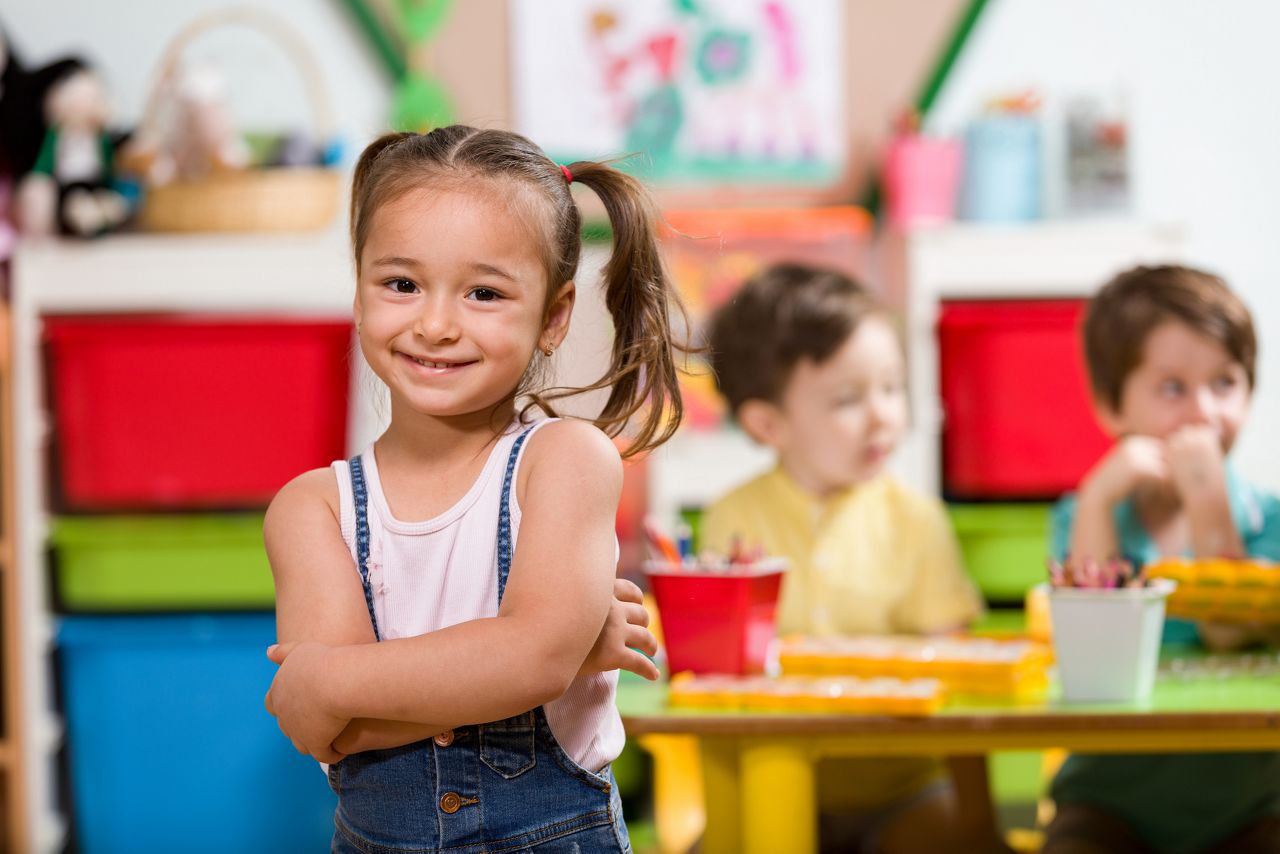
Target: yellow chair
point(679, 814)
point(1026, 840)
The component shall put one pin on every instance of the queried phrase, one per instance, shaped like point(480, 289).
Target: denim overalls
point(505, 786)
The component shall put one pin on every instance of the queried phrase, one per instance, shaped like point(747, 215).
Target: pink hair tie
point(568, 176)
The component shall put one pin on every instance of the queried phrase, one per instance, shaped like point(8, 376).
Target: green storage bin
point(1005, 546)
point(160, 563)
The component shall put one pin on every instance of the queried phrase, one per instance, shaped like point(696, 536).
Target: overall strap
point(504, 516)
point(360, 492)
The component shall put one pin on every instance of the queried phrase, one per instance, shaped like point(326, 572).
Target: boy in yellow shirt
point(813, 368)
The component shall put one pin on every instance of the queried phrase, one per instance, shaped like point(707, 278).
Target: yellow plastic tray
point(844, 695)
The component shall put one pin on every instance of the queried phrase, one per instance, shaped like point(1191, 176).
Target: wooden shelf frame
point(14, 819)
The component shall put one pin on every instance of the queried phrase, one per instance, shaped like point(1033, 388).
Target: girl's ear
point(556, 326)
point(356, 311)
point(762, 421)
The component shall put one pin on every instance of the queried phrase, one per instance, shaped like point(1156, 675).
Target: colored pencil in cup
point(661, 545)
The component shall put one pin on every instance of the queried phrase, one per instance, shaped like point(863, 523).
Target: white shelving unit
point(305, 275)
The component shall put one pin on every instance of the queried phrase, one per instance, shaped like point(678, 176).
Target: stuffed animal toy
point(71, 185)
point(191, 135)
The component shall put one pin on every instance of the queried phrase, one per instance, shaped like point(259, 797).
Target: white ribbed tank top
point(443, 571)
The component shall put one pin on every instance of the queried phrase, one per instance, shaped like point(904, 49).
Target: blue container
point(1002, 169)
point(170, 747)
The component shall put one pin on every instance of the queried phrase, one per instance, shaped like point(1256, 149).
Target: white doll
point(70, 187)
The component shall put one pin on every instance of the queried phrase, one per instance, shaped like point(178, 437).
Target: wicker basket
point(275, 199)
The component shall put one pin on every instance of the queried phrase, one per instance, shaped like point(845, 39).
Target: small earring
point(548, 350)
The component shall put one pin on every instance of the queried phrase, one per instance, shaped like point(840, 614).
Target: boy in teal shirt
point(1170, 353)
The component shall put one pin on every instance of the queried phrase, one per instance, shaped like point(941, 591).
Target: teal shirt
point(1178, 802)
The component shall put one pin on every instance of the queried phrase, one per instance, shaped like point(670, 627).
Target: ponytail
point(640, 297)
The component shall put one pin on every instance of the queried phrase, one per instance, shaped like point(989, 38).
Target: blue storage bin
point(170, 746)
point(1002, 169)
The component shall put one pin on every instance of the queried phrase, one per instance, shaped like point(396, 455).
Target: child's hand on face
point(296, 698)
point(1195, 461)
point(1134, 460)
point(625, 631)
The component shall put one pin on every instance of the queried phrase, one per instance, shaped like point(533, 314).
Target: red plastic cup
point(717, 621)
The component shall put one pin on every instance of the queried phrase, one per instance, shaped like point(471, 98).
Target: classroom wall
point(1204, 136)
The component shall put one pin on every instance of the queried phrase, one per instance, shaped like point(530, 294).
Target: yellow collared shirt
point(878, 558)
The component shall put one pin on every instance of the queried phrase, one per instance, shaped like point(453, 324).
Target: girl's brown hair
point(642, 373)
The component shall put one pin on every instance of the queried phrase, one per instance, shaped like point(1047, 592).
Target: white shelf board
point(305, 273)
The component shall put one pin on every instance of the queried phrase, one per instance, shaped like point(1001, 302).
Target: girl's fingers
point(637, 615)
point(643, 640)
point(329, 756)
point(641, 666)
point(627, 591)
point(278, 652)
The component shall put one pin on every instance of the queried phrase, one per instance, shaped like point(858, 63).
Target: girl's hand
point(1133, 461)
point(298, 699)
point(1195, 462)
point(625, 631)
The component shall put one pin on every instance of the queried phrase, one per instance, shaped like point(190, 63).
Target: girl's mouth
point(436, 365)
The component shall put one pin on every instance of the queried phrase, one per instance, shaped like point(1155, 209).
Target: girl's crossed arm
point(318, 593)
point(556, 600)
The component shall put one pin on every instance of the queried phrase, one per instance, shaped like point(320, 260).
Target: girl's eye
point(1172, 388)
point(485, 295)
point(401, 286)
point(848, 400)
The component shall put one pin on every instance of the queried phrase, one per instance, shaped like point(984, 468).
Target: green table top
point(1236, 696)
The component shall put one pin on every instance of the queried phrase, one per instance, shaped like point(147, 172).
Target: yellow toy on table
point(973, 666)
point(838, 695)
point(1222, 590)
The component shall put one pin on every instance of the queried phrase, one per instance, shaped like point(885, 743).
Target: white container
point(1107, 642)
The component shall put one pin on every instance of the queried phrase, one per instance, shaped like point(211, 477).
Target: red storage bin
point(1018, 419)
point(182, 412)
point(717, 622)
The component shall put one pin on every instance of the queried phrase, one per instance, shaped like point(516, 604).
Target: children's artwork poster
point(702, 91)
point(710, 253)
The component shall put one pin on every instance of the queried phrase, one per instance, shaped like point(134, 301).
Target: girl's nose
point(438, 321)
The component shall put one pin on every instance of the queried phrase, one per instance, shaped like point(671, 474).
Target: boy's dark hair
point(1122, 315)
point(783, 314)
